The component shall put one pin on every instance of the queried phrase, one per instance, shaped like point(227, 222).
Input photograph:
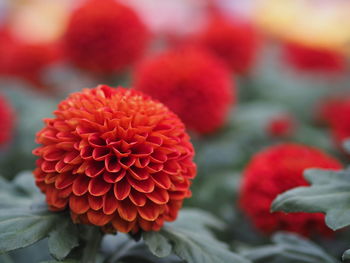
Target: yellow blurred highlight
point(39, 21)
point(311, 22)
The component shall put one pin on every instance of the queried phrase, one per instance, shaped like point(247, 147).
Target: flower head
point(281, 126)
point(335, 112)
point(274, 171)
point(105, 37)
point(116, 158)
point(235, 42)
point(192, 83)
point(6, 120)
point(314, 59)
point(26, 61)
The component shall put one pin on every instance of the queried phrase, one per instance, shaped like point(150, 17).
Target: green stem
point(93, 242)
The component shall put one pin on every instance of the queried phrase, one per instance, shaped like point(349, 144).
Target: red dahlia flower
point(192, 83)
point(116, 158)
point(105, 37)
point(281, 126)
point(6, 120)
point(235, 42)
point(25, 60)
point(274, 171)
point(336, 113)
point(314, 59)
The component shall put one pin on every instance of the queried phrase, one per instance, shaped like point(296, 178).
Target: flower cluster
point(25, 60)
point(192, 83)
point(274, 171)
point(6, 120)
point(314, 59)
point(105, 37)
point(116, 158)
point(235, 42)
point(335, 112)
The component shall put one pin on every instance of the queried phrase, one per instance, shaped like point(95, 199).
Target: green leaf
point(63, 239)
point(190, 239)
point(346, 254)
point(289, 248)
point(22, 227)
point(329, 193)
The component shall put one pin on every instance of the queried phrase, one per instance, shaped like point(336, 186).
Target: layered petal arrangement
point(274, 171)
point(105, 37)
point(116, 159)
point(235, 42)
point(192, 83)
point(6, 120)
point(314, 59)
point(26, 61)
point(335, 112)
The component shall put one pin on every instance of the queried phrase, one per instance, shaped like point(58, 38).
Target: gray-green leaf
point(289, 248)
point(191, 240)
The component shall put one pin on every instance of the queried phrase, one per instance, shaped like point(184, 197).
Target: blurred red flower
point(281, 126)
point(273, 171)
point(116, 158)
point(26, 60)
point(235, 42)
point(192, 83)
point(105, 37)
point(7, 116)
point(335, 112)
point(314, 59)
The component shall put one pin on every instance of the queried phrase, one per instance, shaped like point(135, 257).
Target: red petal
point(138, 173)
point(162, 180)
point(79, 204)
point(172, 167)
point(80, 185)
point(142, 150)
point(72, 158)
point(144, 186)
point(94, 168)
point(159, 196)
point(53, 154)
point(98, 187)
point(126, 162)
point(112, 164)
point(127, 210)
point(150, 211)
point(122, 225)
point(100, 154)
point(96, 141)
point(95, 202)
point(122, 189)
point(98, 218)
point(139, 199)
point(142, 162)
point(48, 167)
point(110, 203)
point(62, 167)
point(114, 177)
point(159, 157)
point(155, 167)
point(64, 180)
point(86, 152)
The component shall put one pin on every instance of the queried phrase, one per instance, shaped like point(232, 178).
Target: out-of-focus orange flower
point(281, 126)
point(235, 42)
point(116, 158)
point(25, 60)
point(192, 83)
point(335, 112)
point(314, 59)
point(105, 37)
point(7, 117)
point(273, 171)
